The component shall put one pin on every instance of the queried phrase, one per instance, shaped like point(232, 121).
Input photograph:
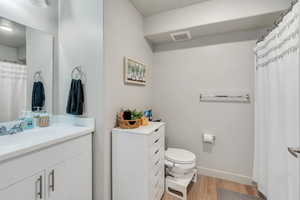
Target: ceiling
point(16, 38)
point(151, 7)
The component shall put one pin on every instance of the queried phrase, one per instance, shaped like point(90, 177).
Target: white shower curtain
point(277, 110)
point(13, 80)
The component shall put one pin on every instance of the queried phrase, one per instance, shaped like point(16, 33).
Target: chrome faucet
point(14, 130)
point(3, 130)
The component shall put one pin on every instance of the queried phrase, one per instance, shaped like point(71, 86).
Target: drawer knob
point(156, 129)
point(156, 163)
point(156, 141)
point(156, 152)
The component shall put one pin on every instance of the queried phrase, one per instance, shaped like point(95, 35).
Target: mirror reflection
point(26, 69)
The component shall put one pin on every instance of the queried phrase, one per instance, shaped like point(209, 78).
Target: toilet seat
point(180, 156)
point(180, 166)
point(179, 170)
point(179, 161)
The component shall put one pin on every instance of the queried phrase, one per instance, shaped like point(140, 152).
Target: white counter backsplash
point(73, 120)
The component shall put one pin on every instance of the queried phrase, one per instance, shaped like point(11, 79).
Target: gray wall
point(216, 63)
point(123, 36)
point(80, 32)
point(81, 43)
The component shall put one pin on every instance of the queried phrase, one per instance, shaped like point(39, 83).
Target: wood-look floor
point(207, 189)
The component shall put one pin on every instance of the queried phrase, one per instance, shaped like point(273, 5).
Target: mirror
point(26, 70)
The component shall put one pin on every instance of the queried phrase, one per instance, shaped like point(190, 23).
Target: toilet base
point(178, 186)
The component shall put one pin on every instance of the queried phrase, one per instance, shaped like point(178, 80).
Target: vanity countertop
point(31, 140)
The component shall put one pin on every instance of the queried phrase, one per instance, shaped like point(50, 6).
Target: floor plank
point(206, 188)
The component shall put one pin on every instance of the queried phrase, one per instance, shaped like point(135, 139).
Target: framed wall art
point(135, 72)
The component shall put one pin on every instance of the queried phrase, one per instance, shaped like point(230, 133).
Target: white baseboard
point(225, 175)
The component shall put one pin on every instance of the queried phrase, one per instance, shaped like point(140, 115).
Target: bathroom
point(202, 82)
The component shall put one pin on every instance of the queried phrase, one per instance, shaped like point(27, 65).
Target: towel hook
point(79, 73)
point(37, 76)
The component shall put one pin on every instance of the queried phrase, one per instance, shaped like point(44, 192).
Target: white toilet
point(181, 171)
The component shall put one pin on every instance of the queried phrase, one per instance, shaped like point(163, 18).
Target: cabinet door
point(31, 188)
point(55, 181)
point(71, 179)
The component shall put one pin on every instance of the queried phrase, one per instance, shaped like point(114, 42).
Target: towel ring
point(77, 75)
point(37, 76)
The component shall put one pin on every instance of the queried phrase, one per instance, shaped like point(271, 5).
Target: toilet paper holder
point(208, 138)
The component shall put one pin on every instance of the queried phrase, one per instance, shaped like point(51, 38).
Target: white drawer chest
point(138, 162)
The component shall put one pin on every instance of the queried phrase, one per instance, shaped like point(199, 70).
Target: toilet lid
point(180, 156)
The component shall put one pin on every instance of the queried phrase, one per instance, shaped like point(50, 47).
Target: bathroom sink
point(34, 139)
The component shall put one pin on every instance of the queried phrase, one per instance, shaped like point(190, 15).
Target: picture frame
point(135, 72)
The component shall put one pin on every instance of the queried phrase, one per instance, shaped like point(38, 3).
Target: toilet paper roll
point(209, 138)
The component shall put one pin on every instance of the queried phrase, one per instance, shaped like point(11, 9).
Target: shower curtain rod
point(278, 21)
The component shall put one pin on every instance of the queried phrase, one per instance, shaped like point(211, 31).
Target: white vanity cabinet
point(61, 171)
point(30, 188)
point(138, 162)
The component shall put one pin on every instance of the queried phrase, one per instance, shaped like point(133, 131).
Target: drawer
point(157, 159)
point(157, 177)
point(155, 171)
point(157, 136)
point(156, 150)
point(158, 189)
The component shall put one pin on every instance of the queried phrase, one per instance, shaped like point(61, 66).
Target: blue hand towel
point(76, 98)
point(38, 96)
